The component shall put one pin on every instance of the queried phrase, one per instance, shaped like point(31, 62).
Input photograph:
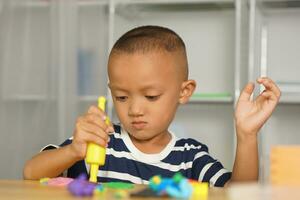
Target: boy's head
point(148, 78)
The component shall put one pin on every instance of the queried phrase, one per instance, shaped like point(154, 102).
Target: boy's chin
point(142, 136)
point(137, 135)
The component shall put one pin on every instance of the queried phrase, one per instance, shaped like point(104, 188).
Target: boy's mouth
point(138, 124)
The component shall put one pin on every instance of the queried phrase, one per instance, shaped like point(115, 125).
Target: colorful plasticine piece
point(81, 187)
point(118, 185)
point(60, 181)
point(99, 190)
point(44, 181)
point(200, 189)
point(177, 187)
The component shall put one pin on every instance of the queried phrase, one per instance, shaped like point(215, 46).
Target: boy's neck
point(153, 145)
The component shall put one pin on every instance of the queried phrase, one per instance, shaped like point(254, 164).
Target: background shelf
point(59, 49)
point(45, 3)
point(274, 52)
point(212, 98)
point(170, 2)
point(26, 98)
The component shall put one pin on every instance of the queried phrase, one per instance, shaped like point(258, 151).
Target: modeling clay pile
point(178, 187)
point(59, 181)
point(82, 187)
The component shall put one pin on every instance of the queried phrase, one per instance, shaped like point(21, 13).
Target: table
point(24, 189)
point(33, 190)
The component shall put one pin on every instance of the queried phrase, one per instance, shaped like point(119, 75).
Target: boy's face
point(146, 89)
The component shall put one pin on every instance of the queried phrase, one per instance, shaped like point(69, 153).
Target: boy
point(148, 79)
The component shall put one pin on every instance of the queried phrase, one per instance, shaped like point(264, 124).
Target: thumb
point(247, 92)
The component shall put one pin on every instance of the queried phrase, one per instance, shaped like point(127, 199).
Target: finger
point(269, 85)
point(84, 123)
point(247, 92)
point(260, 98)
point(97, 111)
point(269, 95)
point(89, 137)
point(97, 120)
point(92, 119)
point(91, 128)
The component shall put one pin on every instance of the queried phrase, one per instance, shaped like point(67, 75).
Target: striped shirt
point(125, 163)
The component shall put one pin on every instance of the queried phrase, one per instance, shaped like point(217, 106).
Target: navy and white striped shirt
point(124, 162)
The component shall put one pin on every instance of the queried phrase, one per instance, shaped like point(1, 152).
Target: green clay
point(118, 185)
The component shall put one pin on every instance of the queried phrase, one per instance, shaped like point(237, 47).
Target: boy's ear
point(187, 90)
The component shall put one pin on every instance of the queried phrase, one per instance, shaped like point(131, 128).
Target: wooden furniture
point(20, 189)
point(285, 164)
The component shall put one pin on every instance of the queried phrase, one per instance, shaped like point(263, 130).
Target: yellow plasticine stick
point(95, 155)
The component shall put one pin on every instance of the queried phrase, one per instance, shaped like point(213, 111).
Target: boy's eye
point(121, 98)
point(152, 98)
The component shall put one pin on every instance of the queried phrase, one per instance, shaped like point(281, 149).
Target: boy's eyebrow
point(145, 88)
point(150, 87)
point(115, 87)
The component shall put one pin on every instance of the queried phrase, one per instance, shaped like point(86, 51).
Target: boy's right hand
point(90, 127)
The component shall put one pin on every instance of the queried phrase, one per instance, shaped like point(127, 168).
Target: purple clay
point(81, 187)
point(88, 189)
point(82, 177)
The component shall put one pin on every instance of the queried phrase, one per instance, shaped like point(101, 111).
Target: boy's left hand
point(250, 115)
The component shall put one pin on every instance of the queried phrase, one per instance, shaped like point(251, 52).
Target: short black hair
point(149, 38)
point(145, 39)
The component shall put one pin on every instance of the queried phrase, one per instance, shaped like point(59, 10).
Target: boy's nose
point(135, 109)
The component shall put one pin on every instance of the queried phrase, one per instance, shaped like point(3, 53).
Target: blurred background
point(53, 57)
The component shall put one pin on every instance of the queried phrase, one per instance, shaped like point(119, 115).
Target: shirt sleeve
point(53, 146)
point(208, 169)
